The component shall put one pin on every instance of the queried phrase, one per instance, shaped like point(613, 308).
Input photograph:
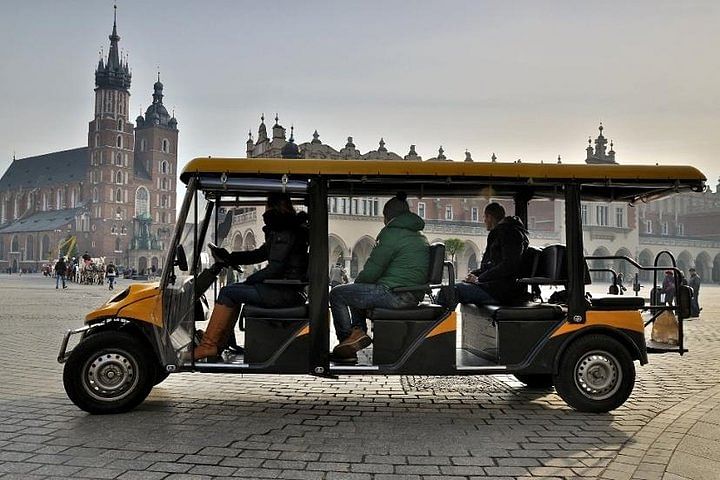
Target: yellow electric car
point(583, 346)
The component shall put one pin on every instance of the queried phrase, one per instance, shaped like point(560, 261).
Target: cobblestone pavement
point(197, 426)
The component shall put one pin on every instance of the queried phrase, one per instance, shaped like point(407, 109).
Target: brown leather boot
point(348, 348)
point(221, 322)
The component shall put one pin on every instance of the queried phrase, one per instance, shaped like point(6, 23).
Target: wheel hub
point(597, 375)
point(110, 376)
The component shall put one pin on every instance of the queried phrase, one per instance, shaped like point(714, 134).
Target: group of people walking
point(88, 273)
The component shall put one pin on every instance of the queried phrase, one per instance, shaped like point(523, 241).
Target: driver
point(286, 251)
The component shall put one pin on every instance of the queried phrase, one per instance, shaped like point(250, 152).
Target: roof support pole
point(577, 304)
point(318, 278)
point(521, 200)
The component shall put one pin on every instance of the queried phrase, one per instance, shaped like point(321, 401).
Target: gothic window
point(164, 202)
point(120, 124)
point(97, 139)
point(119, 141)
point(142, 202)
point(118, 195)
point(28, 203)
point(117, 245)
point(14, 245)
point(85, 222)
point(95, 194)
point(163, 184)
point(164, 166)
point(164, 217)
point(118, 159)
point(166, 145)
point(15, 209)
point(119, 177)
point(59, 199)
point(73, 198)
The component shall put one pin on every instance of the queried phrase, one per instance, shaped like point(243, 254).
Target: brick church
point(114, 198)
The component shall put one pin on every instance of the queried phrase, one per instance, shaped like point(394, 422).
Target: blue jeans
point(111, 281)
point(349, 304)
point(261, 295)
point(57, 280)
point(472, 293)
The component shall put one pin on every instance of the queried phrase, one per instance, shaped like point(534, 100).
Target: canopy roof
point(368, 177)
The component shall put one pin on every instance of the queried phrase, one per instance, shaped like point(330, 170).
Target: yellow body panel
point(143, 303)
point(538, 171)
point(447, 325)
point(626, 320)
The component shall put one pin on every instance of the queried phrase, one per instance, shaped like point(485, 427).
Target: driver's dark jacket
point(285, 249)
point(501, 262)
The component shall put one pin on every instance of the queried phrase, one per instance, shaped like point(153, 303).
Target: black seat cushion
point(616, 302)
point(527, 311)
point(424, 311)
point(291, 312)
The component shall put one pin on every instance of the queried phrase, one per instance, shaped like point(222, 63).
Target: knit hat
point(396, 206)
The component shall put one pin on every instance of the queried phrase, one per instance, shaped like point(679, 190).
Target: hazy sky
point(526, 80)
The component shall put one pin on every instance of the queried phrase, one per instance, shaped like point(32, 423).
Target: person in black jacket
point(60, 271)
point(286, 251)
point(495, 282)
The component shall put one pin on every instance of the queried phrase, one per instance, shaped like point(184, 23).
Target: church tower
point(156, 142)
point(110, 147)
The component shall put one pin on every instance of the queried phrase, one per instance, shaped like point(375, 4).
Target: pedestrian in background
point(668, 287)
point(694, 283)
point(60, 268)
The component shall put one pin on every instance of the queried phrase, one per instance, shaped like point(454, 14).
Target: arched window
point(44, 202)
point(166, 145)
point(118, 195)
point(164, 217)
point(58, 199)
point(117, 244)
point(164, 167)
point(85, 222)
point(142, 202)
point(97, 139)
point(118, 159)
point(28, 202)
point(119, 177)
point(14, 244)
point(120, 124)
point(73, 198)
point(143, 145)
point(164, 201)
point(119, 141)
point(29, 248)
point(95, 194)
point(164, 184)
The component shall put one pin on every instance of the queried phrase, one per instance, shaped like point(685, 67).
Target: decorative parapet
point(247, 217)
point(678, 241)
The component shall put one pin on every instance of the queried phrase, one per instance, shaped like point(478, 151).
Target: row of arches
point(30, 247)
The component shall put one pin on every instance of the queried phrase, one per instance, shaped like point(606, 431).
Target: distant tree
point(454, 246)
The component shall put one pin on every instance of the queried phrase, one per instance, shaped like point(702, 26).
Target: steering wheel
point(222, 256)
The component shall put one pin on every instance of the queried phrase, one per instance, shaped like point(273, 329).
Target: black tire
point(109, 372)
point(536, 380)
point(596, 374)
point(160, 375)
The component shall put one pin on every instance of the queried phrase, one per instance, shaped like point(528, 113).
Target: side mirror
point(181, 259)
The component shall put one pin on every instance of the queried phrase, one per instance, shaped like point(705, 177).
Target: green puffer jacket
point(401, 257)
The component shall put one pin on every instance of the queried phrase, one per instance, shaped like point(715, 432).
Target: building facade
point(114, 198)
point(677, 224)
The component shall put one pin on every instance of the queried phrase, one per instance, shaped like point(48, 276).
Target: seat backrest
point(529, 262)
point(551, 264)
point(437, 258)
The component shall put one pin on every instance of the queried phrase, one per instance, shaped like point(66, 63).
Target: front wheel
point(109, 372)
point(596, 374)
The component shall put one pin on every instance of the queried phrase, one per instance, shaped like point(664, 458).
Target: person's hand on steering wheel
point(222, 256)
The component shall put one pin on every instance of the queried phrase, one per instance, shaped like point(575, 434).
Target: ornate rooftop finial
point(382, 145)
point(468, 156)
point(316, 138)
point(292, 133)
point(493, 158)
point(589, 140)
point(350, 143)
point(250, 135)
point(559, 161)
point(277, 118)
point(601, 128)
point(262, 118)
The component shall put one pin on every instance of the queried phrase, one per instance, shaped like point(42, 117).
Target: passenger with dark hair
point(495, 282)
point(400, 258)
point(286, 251)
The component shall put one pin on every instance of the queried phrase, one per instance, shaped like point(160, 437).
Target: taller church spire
point(113, 73)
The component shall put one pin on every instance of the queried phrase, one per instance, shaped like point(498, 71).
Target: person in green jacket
point(400, 258)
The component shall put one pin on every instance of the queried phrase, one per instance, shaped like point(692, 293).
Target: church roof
point(43, 221)
point(68, 166)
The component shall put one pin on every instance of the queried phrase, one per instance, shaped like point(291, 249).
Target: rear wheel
point(109, 372)
point(596, 374)
point(536, 380)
